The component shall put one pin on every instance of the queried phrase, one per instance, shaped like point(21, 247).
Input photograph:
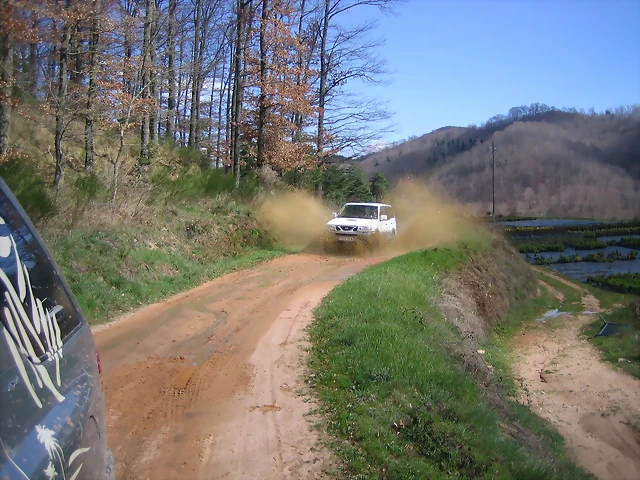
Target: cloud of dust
point(424, 219)
point(295, 219)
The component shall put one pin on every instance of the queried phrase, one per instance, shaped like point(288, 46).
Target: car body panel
point(52, 422)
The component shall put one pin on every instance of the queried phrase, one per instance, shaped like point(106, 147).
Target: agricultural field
point(581, 249)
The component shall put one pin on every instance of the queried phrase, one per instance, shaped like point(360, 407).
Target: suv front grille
point(346, 228)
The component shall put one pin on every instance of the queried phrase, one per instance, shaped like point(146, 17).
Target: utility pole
point(493, 172)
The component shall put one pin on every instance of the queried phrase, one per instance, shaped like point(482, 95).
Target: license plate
point(345, 238)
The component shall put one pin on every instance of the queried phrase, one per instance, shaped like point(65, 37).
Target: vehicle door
point(385, 229)
point(392, 222)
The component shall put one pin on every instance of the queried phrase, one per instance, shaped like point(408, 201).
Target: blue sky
point(459, 62)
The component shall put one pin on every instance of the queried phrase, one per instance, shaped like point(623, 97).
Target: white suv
point(369, 223)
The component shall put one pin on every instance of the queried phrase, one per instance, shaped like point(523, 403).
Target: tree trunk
point(229, 109)
point(6, 79)
point(298, 119)
point(94, 40)
point(196, 73)
point(116, 169)
point(153, 84)
point(146, 78)
point(323, 90)
point(211, 99)
point(179, 91)
point(238, 86)
point(223, 85)
point(34, 65)
point(262, 99)
point(127, 74)
point(77, 64)
point(171, 60)
point(63, 87)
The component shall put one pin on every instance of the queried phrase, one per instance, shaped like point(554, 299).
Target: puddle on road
point(555, 313)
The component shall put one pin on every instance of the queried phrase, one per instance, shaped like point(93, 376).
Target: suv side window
point(35, 306)
point(390, 213)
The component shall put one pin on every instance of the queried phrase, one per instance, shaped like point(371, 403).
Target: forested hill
point(548, 162)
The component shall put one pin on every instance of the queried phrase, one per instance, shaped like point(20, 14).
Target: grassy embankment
point(173, 226)
point(410, 360)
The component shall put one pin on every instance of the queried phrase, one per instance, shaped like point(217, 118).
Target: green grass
point(399, 401)
point(620, 282)
point(623, 345)
point(572, 302)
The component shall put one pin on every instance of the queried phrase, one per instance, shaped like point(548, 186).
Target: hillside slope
point(552, 163)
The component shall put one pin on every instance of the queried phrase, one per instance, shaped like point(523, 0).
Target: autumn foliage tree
point(251, 83)
point(281, 94)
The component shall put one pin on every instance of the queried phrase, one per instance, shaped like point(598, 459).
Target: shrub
point(27, 184)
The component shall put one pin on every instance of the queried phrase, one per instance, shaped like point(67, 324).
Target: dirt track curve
point(207, 384)
point(591, 404)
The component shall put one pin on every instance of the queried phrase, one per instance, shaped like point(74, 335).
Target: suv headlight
point(331, 228)
point(366, 229)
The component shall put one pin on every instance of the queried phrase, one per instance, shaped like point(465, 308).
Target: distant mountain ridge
point(548, 162)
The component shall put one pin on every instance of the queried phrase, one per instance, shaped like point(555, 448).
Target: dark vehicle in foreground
point(52, 422)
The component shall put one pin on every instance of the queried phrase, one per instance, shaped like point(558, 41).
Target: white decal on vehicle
point(75, 454)
point(46, 437)
point(75, 474)
point(51, 445)
point(50, 472)
point(26, 318)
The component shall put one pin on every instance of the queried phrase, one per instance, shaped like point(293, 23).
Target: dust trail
point(423, 218)
point(295, 219)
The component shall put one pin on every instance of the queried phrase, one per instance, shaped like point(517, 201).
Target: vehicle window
point(391, 214)
point(384, 211)
point(35, 307)
point(359, 211)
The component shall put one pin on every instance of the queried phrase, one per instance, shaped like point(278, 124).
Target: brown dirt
point(208, 384)
point(591, 404)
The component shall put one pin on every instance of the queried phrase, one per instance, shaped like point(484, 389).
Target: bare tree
point(262, 81)
point(243, 15)
point(94, 43)
point(153, 80)
point(61, 99)
point(344, 57)
point(147, 72)
point(171, 73)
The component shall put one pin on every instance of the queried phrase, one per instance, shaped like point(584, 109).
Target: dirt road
point(207, 385)
point(591, 404)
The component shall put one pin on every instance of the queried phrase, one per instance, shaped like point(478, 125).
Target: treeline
point(341, 183)
point(251, 82)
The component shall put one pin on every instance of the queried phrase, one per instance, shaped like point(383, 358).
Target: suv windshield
point(359, 211)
